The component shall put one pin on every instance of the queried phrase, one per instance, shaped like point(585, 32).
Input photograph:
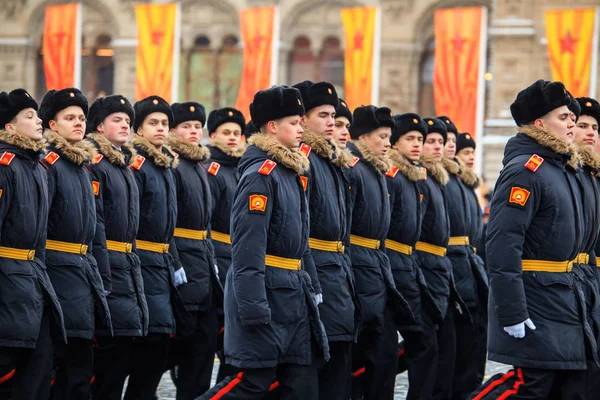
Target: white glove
point(518, 330)
point(318, 298)
point(180, 277)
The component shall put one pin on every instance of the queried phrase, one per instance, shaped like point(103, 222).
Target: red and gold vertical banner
point(61, 46)
point(259, 31)
point(459, 65)
point(157, 53)
point(571, 35)
point(360, 55)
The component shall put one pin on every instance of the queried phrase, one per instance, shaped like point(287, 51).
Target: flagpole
point(275, 48)
point(78, 38)
point(376, 59)
point(594, 67)
point(176, 55)
point(481, 92)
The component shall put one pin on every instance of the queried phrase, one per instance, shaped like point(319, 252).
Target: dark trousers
point(446, 339)
point(32, 367)
point(335, 375)
point(470, 353)
point(195, 356)
point(225, 369)
point(111, 366)
point(75, 368)
point(540, 384)
point(296, 382)
point(377, 352)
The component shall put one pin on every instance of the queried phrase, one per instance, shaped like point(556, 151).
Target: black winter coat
point(117, 220)
point(535, 215)
point(72, 219)
point(25, 286)
point(269, 310)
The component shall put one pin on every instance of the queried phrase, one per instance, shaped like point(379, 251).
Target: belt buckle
point(378, 244)
point(83, 250)
point(30, 255)
point(129, 247)
point(165, 248)
point(444, 252)
point(569, 266)
point(410, 250)
point(340, 247)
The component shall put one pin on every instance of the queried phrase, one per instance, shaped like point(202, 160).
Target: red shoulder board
point(51, 158)
point(534, 163)
point(214, 168)
point(267, 167)
point(354, 161)
point(139, 161)
point(304, 180)
point(96, 187)
point(392, 172)
point(305, 149)
point(6, 158)
point(98, 158)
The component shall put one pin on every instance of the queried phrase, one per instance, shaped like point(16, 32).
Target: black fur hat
point(589, 107)
point(435, 125)
point(450, 127)
point(102, 107)
point(317, 94)
point(150, 105)
point(575, 107)
point(13, 103)
point(406, 123)
point(342, 110)
point(275, 103)
point(538, 100)
point(369, 118)
point(57, 100)
point(224, 115)
point(249, 130)
point(190, 111)
point(464, 140)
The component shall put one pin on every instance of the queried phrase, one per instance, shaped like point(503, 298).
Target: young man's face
point(378, 140)
point(586, 132)
point(189, 131)
point(467, 155)
point(229, 134)
point(286, 131)
point(116, 128)
point(450, 147)
point(154, 128)
point(27, 124)
point(434, 146)
point(320, 120)
point(69, 123)
point(341, 131)
point(410, 145)
point(559, 122)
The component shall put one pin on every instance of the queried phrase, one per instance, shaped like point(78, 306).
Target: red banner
point(59, 46)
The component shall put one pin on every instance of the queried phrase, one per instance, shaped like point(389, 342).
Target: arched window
point(228, 72)
point(331, 64)
point(426, 104)
point(97, 67)
point(197, 72)
point(302, 61)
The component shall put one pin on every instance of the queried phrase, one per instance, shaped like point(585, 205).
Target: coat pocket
point(285, 296)
point(372, 292)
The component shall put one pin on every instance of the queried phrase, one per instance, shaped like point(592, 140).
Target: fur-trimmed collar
point(551, 141)
point(451, 166)
point(112, 154)
point(380, 164)
point(22, 141)
point(237, 153)
point(290, 158)
point(343, 158)
point(162, 158)
point(78, 153)
point(325, 149)
point(193, 152)
point(589, 158)
point(405, 167)
point(466, 175)
point(435, 168)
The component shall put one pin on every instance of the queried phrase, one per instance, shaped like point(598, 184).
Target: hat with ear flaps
point(221, 116)
point(57, 100)
point(13, 103)
point(190, 111)
point(275, 103)
point(102, 107)
point(407, 123)
point(369, 118)
point(150, 105)
point(435, 125)
point(537, 100)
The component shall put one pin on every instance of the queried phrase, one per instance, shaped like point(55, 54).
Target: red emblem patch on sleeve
point(519, 196)
point(257, 202)
point(98, 158)
point(304, 180)
point(6, 158)
point(96, 187)
point(354, 161)
point(139, 161)
point(267, 167)
point(534, 163)
point(51, 158)
point(392, 172)
point(305, 149)
point(214, 168)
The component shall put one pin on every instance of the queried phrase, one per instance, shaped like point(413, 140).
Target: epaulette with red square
point(214, 168)
point(139, 161)
point(6, 158)
point(354, 161)
point(51, 158)
point(534, 163)
point(392, 172)
point(305, 149)
point(267, 167)
point(98, 158)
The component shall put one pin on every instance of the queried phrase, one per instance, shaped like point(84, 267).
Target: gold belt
point(582, 258)
point(398, 247)
point(547, 266)
point(283, 263)
point(17, 254)
point(365, 242)
point(190, 234)
point(121, 247)
point(220, 237)
point(326, 245)
point(431, 249)
point(66, 247)
point(458, 241)
point(152, 246)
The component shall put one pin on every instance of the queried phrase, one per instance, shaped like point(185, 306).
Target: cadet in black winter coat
point(382, 307)
point(201, 294)
point(117, 221)
point(29, 309)
point(71, 227)
point(271, 318)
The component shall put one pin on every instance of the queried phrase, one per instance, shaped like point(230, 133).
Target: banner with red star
point(459, 64)
point(258, 27)
point(61, 47)
point(157, 53)
point(359, 55)
point(570, 35)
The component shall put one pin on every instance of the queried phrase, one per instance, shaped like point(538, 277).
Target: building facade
point(311, 47)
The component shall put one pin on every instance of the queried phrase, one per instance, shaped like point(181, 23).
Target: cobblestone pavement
point(166, 390)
